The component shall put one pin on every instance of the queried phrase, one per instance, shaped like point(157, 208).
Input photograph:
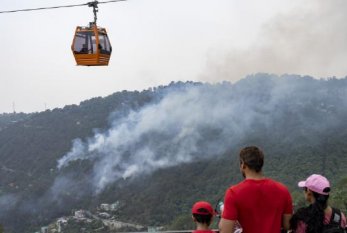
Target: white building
point(80, 214)
point(44, 229)
point(105, 206)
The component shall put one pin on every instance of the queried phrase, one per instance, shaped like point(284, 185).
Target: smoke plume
point(199, 122)
point(171, 132)
point(309, 40)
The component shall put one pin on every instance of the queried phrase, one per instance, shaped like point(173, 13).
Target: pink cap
point(316, 183)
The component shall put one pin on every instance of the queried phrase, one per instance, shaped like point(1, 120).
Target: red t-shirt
point(258, 205)
point(204, 231)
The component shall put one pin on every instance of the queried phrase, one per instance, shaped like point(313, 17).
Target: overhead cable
point(56, 7)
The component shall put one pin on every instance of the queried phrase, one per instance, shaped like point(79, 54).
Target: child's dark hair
point(203, 212)
point(203, 218)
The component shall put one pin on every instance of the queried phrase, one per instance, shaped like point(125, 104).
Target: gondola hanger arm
point(95, 9)
point(57, 7)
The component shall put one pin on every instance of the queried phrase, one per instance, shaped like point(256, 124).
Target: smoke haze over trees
point(156, 148)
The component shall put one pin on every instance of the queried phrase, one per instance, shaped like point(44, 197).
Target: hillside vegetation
point(158, 151)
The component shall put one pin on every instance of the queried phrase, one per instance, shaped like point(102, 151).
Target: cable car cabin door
point(91, 46)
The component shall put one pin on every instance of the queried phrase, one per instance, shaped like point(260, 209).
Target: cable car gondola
point(91, 46)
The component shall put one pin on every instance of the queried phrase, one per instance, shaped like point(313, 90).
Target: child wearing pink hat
point(318, 217)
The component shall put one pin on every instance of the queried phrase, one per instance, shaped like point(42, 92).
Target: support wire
point(57, 7)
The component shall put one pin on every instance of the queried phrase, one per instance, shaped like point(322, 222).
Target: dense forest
point(159, 150)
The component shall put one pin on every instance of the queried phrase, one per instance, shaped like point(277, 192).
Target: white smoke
point(78, 149)
point(7, 202)
point(196, 123)
point(309, 40)
point(164, 134)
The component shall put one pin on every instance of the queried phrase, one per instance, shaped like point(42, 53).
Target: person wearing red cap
point(319, 216)
point(202, 214)
point(259, 204)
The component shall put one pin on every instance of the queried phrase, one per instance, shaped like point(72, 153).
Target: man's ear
point(194, 219)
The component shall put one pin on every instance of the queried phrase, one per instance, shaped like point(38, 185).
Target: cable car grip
point(95, 10)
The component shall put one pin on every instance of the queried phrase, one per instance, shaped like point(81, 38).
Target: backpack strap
point(336, 217)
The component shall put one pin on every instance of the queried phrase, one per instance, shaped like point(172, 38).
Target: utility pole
point(14, 108)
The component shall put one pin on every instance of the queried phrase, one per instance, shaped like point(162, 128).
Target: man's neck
point(254, 175)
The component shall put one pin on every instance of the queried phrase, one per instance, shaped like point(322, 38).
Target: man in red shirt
point(259, 204)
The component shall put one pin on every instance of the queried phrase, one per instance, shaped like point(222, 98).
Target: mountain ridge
point(298, 121)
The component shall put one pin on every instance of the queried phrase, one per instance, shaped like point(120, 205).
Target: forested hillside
point(7, 119)
point(158, 151)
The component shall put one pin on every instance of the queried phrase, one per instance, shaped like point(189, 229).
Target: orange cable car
point(91, 46)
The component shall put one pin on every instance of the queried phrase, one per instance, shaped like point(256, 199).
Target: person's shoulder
point(300, 215)
point(233, 189)
point(278, 184)
point(301, 211)
point(204, 231)
point(237, 186)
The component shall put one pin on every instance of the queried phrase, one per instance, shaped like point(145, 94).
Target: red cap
point(203, 208)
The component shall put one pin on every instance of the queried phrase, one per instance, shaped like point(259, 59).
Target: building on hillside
point(115, 206)
point(60, 223)
point(80, 214)
point(115, 225)
point(104, 215)
point(155, 229)
point(105, 207)
point(110, 207)
point(44, 229)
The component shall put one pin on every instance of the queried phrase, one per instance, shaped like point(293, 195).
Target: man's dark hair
point(253, 157)
point(203, 218)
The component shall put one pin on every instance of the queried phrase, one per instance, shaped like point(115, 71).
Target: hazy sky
point(158, 41)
